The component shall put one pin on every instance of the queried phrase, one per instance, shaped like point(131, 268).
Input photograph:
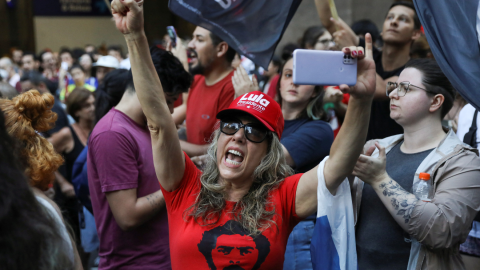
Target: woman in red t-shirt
point(240, 211)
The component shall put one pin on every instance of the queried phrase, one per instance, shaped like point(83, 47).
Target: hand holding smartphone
point(173, 35)
point(312, 67)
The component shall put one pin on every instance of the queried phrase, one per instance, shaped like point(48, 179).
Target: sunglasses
point(255, 133)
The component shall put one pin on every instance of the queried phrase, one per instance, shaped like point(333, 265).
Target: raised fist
point(128, 16)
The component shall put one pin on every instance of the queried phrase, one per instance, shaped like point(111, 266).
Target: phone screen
point(173, 35)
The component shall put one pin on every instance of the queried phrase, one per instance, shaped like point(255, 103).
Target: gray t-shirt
point(381, 242)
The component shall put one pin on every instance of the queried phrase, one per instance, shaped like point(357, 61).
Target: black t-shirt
point(381, 125)
point(381, 242)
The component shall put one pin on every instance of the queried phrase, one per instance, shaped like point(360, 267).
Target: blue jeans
point(297, 254)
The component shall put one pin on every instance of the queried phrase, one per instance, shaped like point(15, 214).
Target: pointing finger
point(368, 46)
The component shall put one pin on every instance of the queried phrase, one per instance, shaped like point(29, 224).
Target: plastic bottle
point(422, 190)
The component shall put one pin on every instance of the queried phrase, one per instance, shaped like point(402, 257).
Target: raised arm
point(167, 154)
point(348, 144)
point(350, 140)
point(323, 10)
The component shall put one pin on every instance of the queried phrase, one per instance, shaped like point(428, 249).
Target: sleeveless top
point(71, 156)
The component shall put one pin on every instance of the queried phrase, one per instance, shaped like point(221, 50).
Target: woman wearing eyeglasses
point(239, 212)
point(395, 229)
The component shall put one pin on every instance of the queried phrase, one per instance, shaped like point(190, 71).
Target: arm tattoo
point(153, 200)
point(402, 201)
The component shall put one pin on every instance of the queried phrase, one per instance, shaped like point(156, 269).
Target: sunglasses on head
point(254, 132)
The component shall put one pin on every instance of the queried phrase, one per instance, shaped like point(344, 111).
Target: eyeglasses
point(402, 88)
point(326, 42)
point(255, 133)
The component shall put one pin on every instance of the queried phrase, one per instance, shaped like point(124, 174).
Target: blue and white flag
point(333, 241)
point(452, 28)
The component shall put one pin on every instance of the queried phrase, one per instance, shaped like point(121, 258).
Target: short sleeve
point(288, 194)
point(309, 144)
point(182, 197)
point(226, 96)
point(115, 159)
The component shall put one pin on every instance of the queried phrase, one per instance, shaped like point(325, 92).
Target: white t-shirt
point(63, 230)
point(465, 119)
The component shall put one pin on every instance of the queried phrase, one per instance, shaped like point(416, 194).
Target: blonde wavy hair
point(255, 210)
point(25, 116)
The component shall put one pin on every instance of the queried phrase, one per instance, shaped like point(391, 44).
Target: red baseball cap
point(261, 106)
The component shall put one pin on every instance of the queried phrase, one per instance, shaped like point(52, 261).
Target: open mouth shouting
point(233, 158)
point(192, 55)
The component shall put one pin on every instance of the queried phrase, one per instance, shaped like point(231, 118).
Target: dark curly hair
point(174, 78)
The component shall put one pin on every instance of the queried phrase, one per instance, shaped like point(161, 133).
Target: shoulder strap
point(470, 137)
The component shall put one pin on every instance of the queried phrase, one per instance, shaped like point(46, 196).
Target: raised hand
point(242, 83)
point(366, 74)
point(128, 16)
point(180, 51)
point(344, 36)
point(332, 95)
point(371, 170)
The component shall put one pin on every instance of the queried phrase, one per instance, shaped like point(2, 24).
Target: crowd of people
point(193, 157)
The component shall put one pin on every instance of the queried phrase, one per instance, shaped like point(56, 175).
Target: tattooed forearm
point(154, 200)
point(402, 201)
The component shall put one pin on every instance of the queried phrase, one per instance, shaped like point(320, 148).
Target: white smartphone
point(313, 67)
point(64, 66)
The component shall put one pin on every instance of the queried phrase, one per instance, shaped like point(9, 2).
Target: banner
point(451, 31)
point(252, 27)
point(70, 8)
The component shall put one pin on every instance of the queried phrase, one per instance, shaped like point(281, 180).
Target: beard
point(196, 70)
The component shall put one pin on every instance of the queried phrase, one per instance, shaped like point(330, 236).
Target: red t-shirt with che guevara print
point(225, 244)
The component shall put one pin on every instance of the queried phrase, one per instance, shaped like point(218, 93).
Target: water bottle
point(422, 190)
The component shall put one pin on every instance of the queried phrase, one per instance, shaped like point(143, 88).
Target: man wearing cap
point(104, 65)
point(211, 91)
